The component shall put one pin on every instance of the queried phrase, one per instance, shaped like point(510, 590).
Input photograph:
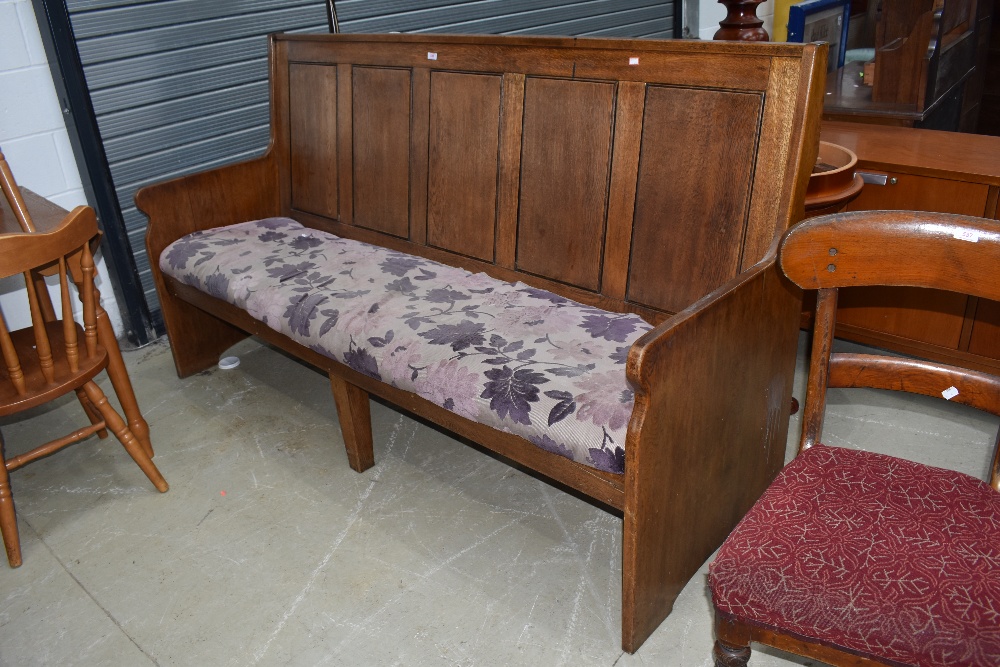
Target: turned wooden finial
point(742, 23)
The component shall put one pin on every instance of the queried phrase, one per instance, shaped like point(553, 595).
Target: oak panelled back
point(644, 174)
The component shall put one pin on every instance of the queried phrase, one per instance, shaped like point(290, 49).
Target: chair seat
point(38, 390)
point(872, 554)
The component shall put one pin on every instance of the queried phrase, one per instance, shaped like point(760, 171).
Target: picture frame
point(821, 21)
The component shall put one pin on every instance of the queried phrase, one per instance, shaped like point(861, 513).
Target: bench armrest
point(227, 195)
point(708, 432)
point(215, 198)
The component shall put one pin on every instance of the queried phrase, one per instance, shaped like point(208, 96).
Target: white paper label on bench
point(967, 235)
point(949, 393)
point(432, 55)
point(633, 61)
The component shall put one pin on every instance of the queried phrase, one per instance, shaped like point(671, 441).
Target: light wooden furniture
point(923, 170)
point(582, 167)
point(856, 558)
point(54, 356)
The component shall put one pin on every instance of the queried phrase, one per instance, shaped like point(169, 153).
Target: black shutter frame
point(95, 171)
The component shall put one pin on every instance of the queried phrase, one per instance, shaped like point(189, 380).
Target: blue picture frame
point(814, 20)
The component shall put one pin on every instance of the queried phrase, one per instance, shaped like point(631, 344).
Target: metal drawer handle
point(876, 179)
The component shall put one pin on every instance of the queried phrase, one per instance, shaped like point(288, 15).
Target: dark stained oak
point(542, 160)
point(313, 139)
point(565, 166)
point(463, 166)
point(381, 144)
point(691, 209)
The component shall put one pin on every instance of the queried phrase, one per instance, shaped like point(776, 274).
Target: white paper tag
point(432, 55)
point(633, 61)
point(949, 393)
point(967, 235)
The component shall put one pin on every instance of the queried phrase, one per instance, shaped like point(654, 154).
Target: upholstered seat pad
point(507, 355)
point(870, 553)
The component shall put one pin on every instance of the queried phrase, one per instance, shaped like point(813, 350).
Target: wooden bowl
point(833, 183)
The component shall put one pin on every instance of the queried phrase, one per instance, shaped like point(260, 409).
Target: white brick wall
point(710, 12)
point(34, 140)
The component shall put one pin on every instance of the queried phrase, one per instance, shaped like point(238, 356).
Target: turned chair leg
point(730, 656)
point(121, 383)
point(8, 519)
point(92, 414)
point(125, 436)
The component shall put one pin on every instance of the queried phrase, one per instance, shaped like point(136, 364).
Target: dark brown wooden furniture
point(926, 53)
point(637, 176)
point(54, 356)
point(923, 170)
point(741, 22)
point(836, 532)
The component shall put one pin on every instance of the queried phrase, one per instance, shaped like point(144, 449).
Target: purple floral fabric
point(507, 355)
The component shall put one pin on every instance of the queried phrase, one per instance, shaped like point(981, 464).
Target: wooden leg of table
point(354, 412)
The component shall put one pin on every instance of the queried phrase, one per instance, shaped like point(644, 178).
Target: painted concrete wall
point(34, 140)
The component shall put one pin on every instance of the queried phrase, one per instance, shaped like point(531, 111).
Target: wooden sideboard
point(923, 170)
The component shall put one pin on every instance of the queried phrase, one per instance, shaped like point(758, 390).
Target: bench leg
point(354, 412)
point(196, 338)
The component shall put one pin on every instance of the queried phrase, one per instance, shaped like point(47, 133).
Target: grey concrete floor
point(269, 550)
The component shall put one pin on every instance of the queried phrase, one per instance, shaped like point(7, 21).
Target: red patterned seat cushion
point(870, 553)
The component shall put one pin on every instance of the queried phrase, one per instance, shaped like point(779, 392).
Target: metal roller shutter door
point(179, 86)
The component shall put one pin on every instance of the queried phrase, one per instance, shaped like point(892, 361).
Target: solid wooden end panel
point(565, 165)
point(463, 163)
point(693, 193)
point(701, 451)
point(313, 138)
point(381, 144)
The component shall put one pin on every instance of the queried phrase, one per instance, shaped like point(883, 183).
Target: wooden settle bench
point(496, 179)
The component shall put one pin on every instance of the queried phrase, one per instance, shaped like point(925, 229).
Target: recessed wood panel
point(695, 169)
point(463, 163)
point(381, 121)
point(565, 164)
point(313, 138)
point(986, 330)
point(924, 315)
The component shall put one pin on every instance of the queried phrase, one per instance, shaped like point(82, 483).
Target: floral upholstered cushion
point(871, 553)
point(513, 357)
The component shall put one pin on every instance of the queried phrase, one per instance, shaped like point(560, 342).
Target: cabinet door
point(985, 338)
point(925, 316)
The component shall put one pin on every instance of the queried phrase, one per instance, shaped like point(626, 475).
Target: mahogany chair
point(47, 360)
point(857, 558)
